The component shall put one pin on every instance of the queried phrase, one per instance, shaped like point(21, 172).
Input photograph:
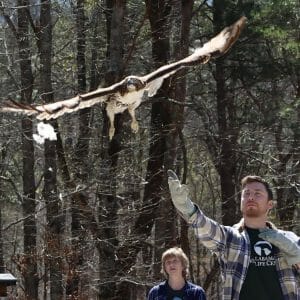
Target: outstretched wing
point(56, 109)
point(151, 82)
point(216, 47)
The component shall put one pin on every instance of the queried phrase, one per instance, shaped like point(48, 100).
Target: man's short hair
point(178, 253)
point(254, 178)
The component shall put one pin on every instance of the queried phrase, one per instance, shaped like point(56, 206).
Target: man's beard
point(253, 213)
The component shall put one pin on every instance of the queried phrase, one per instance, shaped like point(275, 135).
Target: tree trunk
point(54, 213)
point(28, 204)
point(223, 144)
point(160, 129)
point(182, 50)
point(227, 138)
point(80, 158)
point(82, 146)
point(30, 276)
point(108, 203)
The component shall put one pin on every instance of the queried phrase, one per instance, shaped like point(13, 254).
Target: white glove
point(289, 248)
point(179, 194)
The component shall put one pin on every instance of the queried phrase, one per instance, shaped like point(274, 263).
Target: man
point(257, 260)
point(175, 267)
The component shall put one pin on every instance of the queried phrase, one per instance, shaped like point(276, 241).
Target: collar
point(240, 226)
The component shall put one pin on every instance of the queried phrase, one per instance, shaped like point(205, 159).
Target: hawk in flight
point(128, 93)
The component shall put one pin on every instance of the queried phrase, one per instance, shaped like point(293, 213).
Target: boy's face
point(173, 266)
point(255, 201)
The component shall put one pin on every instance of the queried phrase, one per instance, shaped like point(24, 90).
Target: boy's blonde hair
point(178, 253)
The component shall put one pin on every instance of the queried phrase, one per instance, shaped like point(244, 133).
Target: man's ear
point(271, 204)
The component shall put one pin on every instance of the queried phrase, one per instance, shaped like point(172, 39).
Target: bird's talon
point(111, 133)
point(135, 127)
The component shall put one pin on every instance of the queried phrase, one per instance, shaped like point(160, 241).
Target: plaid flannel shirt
point(232, 247)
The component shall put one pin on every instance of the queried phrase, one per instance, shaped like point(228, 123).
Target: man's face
point(254, 201)
point(173, 266)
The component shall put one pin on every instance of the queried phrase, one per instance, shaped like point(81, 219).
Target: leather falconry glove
point(179, 194)
point(290, 249)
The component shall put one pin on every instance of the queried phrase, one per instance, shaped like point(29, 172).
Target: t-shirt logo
point(262, 254)
point(263, 248)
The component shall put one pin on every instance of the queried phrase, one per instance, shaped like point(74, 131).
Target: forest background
point(85, 218)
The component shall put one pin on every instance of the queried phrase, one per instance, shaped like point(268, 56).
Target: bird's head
point(131, 84)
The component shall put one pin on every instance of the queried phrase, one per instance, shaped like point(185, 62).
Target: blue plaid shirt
point(232, 246)
point(191, 291)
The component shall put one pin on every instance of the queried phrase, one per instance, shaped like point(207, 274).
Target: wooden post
point(6, 279)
